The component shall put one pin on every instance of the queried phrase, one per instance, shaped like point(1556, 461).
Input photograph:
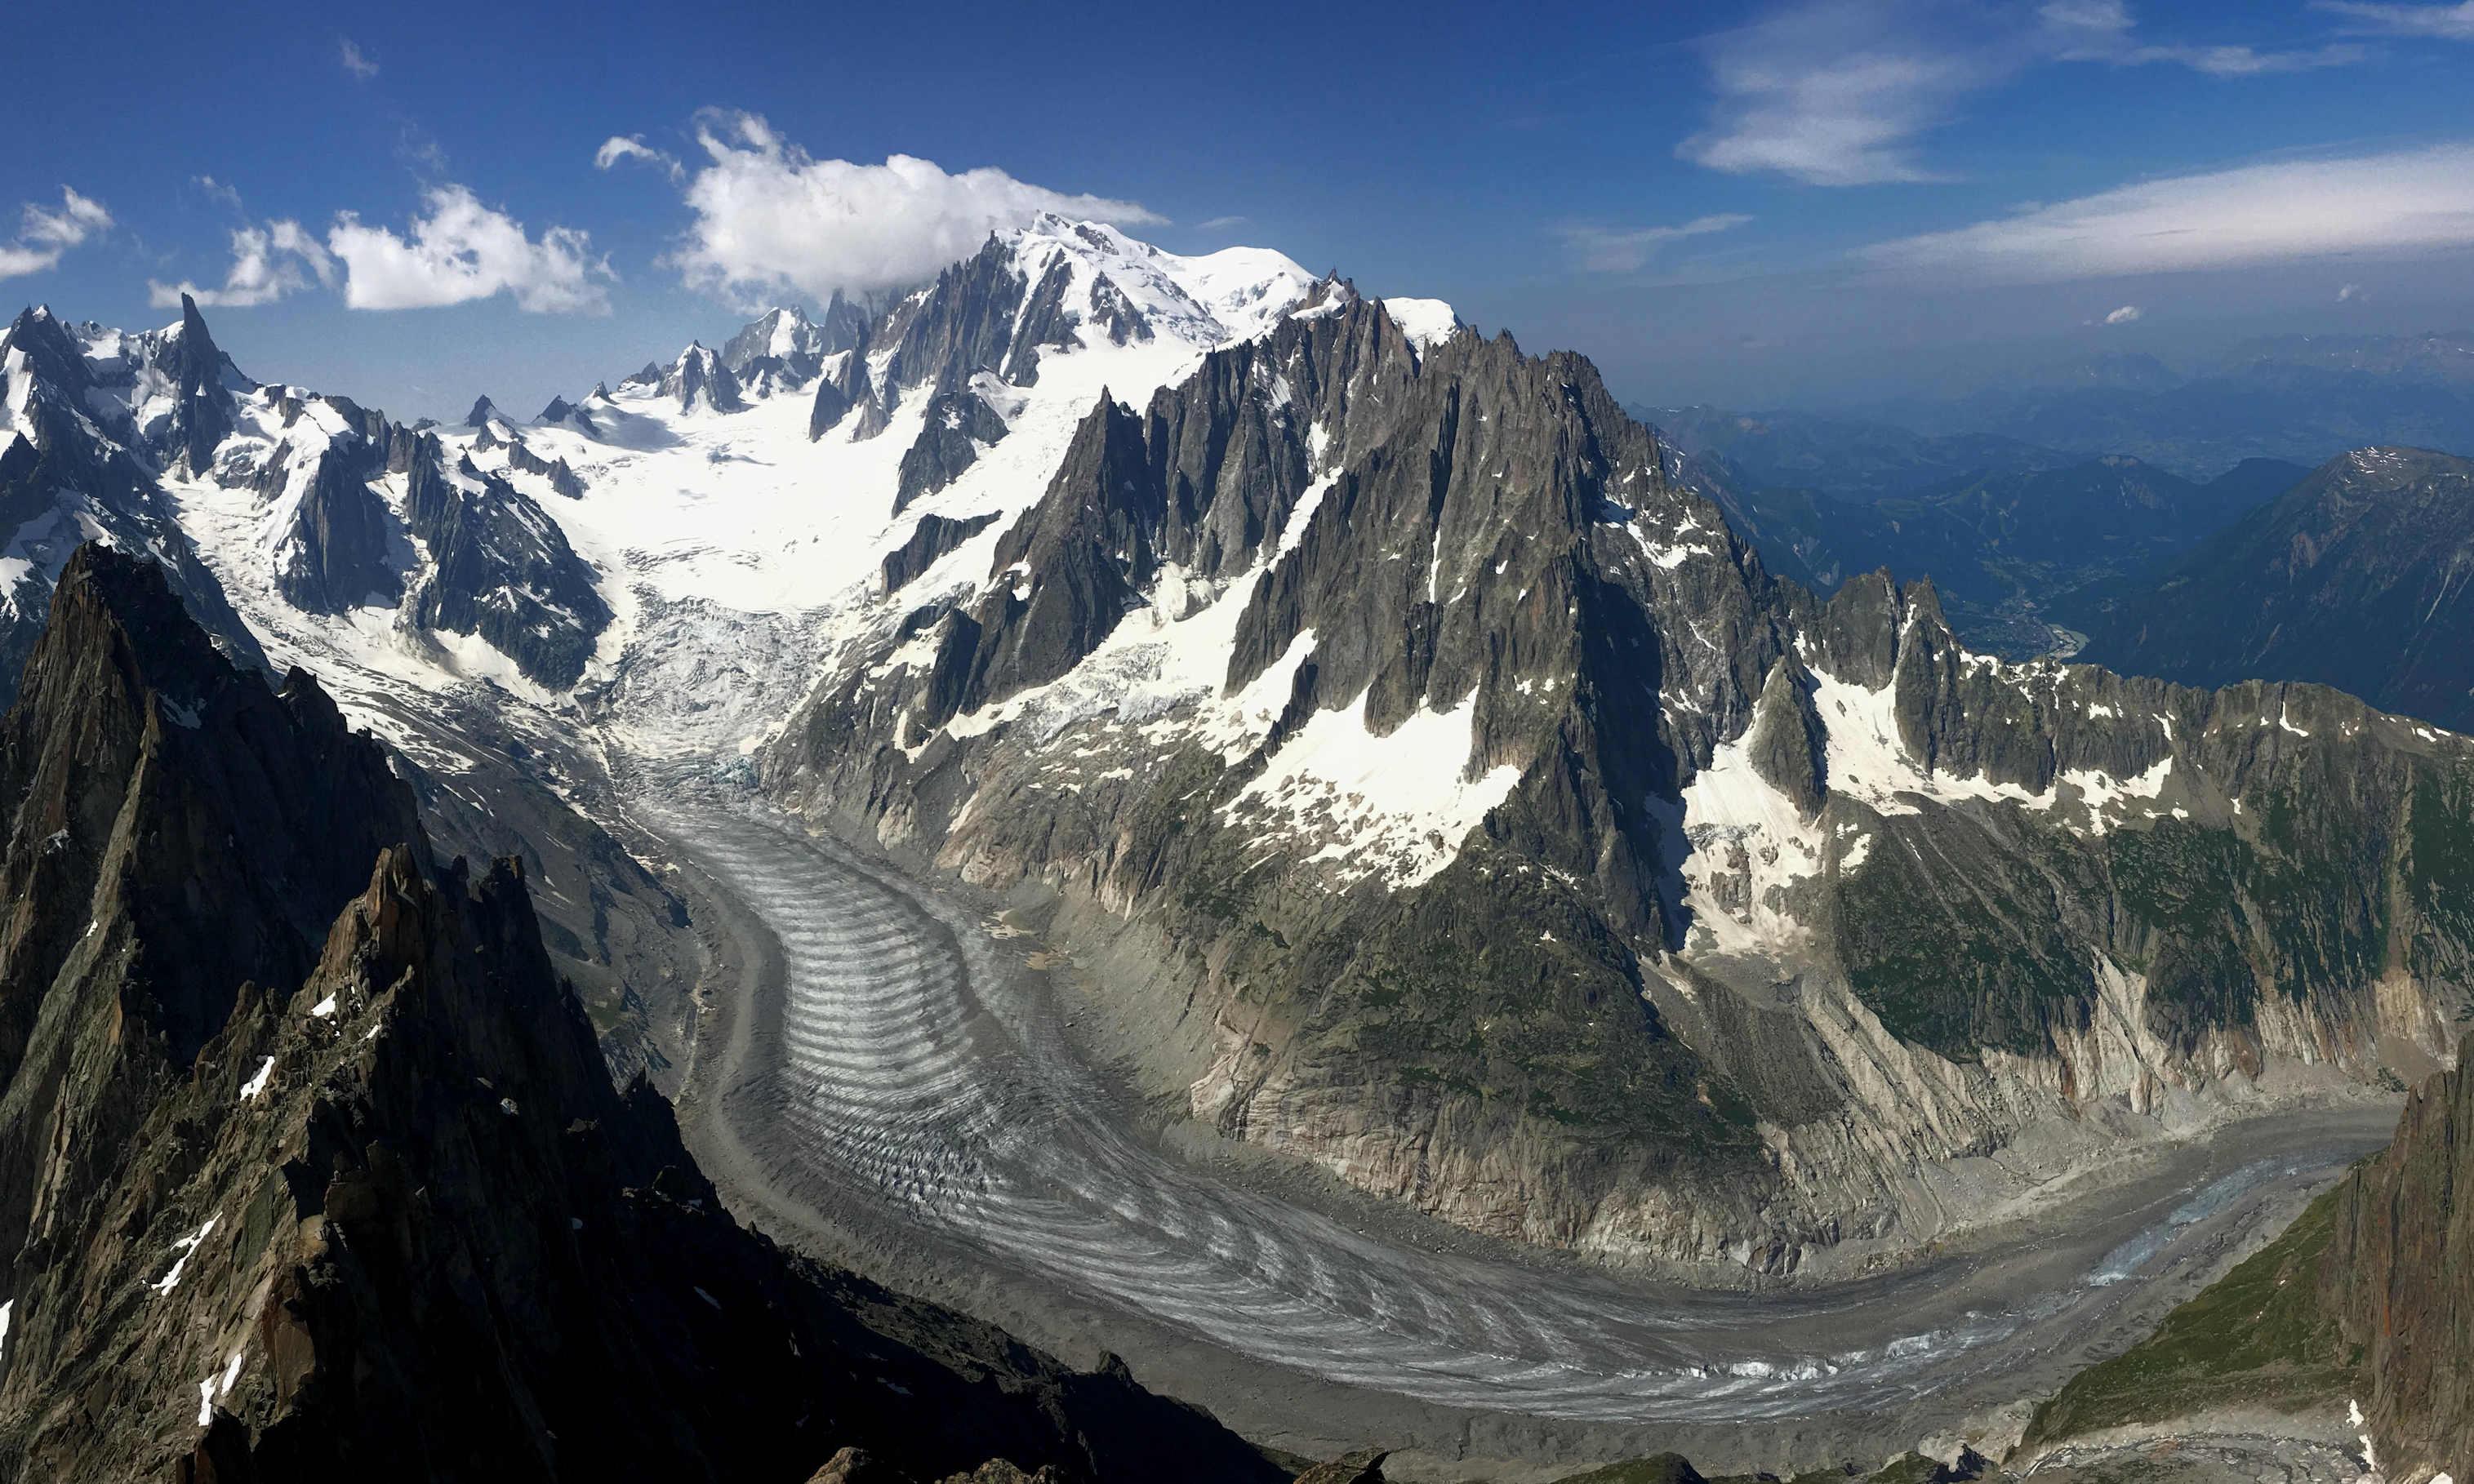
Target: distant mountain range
point(2021, 540)
point(2357, 577)
point(2298, 397)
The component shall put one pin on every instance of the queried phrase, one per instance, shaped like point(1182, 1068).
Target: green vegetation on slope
point(2256, 1337)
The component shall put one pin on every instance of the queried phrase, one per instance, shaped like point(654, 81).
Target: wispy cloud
point(219, 191)
point(1626, 250)
point(2287, 211)
point(357, 62)
point(2349, 292)
point(267, 263)
point(623, 146)
point(1835, 93)
point(1840, 92)
point(44, 235)
point(2125, 315)
point(2447, 22)
point(460, 250)
point(769, 217)
point(1219, 224)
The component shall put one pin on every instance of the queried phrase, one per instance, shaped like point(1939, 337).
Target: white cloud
point(268, 262)
point(2124, 315)
point(462, 250)
point(1838, 92)
point(42, 236)
point(219, 191)
point(2446, 22)
point(618, 147)
point(770, 218)
point(1834, 94)
point(2347, 292)
point(356, 63)
point(1610, 250)
point(2413, 201)
point(1219, 224)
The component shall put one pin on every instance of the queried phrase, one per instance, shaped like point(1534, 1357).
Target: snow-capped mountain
point(1489, 825)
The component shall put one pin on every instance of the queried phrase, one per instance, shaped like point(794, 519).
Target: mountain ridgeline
point(2025, 547)
point(310, 1165)
point(1510, 841)
point(2357, 578)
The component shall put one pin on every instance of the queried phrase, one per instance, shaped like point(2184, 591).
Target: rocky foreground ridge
point(1436, 789)
point(309, 1166)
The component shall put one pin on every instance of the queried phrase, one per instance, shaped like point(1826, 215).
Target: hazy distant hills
point(2357, 577)
point(2298, 397)
point(2023, 543)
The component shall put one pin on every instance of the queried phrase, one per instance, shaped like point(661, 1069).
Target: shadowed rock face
point(957, 423)
point(2399, 1277)
point(1809, 898)
point(502, 569)
point(283, 1197)
point(342, 536)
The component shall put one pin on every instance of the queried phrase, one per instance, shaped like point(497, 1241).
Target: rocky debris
point(2352, 578)
point(2399, 1278)
point(959, 425)
point(1361, 1467)
point(501, 568)
point(281, 1199)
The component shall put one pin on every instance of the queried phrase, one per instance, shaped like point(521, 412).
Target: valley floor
point(881, 1074)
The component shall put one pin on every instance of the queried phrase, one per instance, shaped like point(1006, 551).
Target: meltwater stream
point(910, 1070)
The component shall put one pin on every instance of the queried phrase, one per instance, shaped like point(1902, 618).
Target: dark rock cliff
point(502, 569)
point(2399, 1278)
point(283, 1197)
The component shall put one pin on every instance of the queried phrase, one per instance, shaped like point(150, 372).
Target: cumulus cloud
point(618, 147)
point(2446, 22)
point(771, 218)
point(2124, 315)
point(2411, 200)
point(357, 64)
point(461, 250)
point(268, 262)
point(1625, 250)
point(43, 236)
point(1840, 92)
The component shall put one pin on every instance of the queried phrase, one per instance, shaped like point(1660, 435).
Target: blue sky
point(1751, 204)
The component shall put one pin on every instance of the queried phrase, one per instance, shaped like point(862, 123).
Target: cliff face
point(1515, 845)
point(2399, 1277)
point(308, 1167)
